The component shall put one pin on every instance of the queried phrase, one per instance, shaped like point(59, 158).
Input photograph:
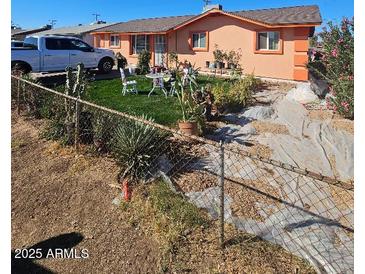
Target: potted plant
point(218, 57)
point(236, 58)
point(192, 112)
point(229, 58)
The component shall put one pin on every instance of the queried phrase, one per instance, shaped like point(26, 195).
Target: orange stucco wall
point(233, 34)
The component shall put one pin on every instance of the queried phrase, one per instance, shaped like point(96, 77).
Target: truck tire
point(21, 67)
point(106, 65)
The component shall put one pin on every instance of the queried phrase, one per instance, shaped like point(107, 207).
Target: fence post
point(77, 123)
point(18, 98)
point(221, 185)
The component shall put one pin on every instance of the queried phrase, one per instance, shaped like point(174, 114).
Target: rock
point(320, 87)
point(117, 200)
point(302, 94)
point(259, 113)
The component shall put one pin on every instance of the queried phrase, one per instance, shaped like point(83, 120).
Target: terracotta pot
point(190, 128)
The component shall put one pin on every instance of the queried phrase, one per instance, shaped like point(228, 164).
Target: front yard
point(165, 111)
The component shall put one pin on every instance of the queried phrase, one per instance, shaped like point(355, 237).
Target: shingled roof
point(282, 16)
point(274, 16)
point(149, 25)
point(72, 30)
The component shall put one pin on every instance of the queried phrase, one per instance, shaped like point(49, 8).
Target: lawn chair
point(128, 86)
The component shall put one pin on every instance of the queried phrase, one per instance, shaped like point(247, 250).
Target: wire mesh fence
point(308, 214)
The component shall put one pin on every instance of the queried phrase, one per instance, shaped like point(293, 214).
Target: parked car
point(16, 44)
point(55, 53)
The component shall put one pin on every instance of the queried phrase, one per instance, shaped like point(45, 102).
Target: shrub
point(241, 91)
point(144, 62)
point(221, 96)
point(236, 95)
point(55, 128)
point(219, 56)
point(135, 146)
point(337, 65)
point(174, 60)
point(102, 127)
point(122, 61)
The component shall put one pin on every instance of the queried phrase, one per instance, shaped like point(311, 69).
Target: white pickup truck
point(55, 53)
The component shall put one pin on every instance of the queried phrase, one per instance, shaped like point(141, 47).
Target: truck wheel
point(22, 67)
point(106, 65)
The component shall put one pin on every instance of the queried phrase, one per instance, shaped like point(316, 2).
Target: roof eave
point(256, 22)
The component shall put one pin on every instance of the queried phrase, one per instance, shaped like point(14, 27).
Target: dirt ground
point(57, 192)
point(61, 199)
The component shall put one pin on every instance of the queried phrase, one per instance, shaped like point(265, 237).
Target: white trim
point(134, 38)
point(267, 40)
point(118, 39)
point(199, 40)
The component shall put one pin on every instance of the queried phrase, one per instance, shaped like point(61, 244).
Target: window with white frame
point(140, 43)
point(114, 40)
point(268, 40)
point(199, 40)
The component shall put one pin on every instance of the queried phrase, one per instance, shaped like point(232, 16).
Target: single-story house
point(273, 42)
point(19, 34)
point(79, 31)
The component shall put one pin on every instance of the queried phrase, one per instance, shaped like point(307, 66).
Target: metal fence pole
point(221, 184)
point(18, 98)
point(77, 123)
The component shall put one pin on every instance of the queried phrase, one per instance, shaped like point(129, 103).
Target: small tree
point(219, 56)
point(144, 59)
point(338, 65)
point(122, 61)
point(174, 60)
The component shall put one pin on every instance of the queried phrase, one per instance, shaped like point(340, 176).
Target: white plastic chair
point(128, 86)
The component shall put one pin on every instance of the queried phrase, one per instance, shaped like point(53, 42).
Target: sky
point(36, 13)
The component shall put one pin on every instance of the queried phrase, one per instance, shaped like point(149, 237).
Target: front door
point(160, 50)
point(56, 55)
point(82, 53)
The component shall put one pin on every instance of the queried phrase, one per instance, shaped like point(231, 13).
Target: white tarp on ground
point(311, 144)
point(314, 145)
point(297, 230)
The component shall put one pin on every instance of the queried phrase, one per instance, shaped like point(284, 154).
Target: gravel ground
point(56, 192)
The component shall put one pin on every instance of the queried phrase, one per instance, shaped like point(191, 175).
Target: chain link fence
point(308, 214)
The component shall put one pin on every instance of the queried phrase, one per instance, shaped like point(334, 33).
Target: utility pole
point(52, 22)
point(96, 16)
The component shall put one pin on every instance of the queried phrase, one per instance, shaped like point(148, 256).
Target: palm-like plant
point(135, 146)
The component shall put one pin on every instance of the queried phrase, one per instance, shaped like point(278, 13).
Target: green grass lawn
point(165, 111)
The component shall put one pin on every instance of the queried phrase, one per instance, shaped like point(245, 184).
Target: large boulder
point(320, 87)
point(259, 113)
point(302, 94)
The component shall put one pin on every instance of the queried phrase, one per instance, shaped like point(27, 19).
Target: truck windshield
point(31, 42)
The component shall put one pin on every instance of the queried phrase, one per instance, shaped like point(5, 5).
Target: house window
point(199, 40)
point(268, 40)
point(114, 40)
point(140, 43)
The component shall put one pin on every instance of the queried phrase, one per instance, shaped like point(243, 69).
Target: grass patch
point(164, 214)
point(176, 208)
point(17, 143)
point(165, 111)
